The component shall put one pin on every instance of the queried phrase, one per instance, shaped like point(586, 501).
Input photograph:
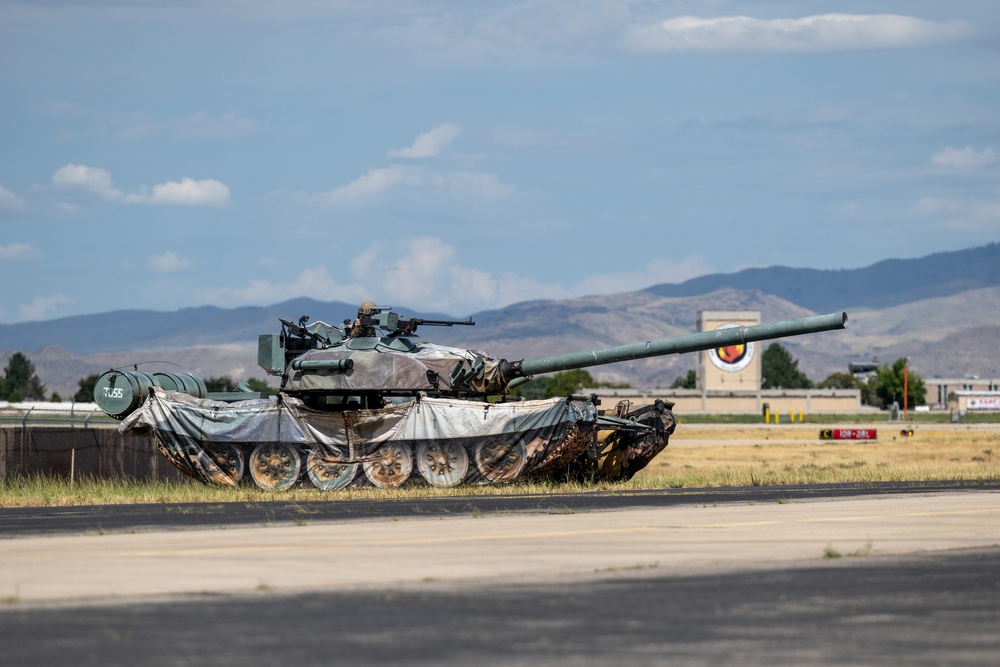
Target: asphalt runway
point(795, 576)
point(25, 521)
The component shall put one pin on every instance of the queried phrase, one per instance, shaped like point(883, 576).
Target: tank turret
point(391, 362)
point(372, 396)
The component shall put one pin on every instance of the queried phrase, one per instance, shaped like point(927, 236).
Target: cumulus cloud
point(187, 191)
point(42, 306)
point(168, 262)
point(826, 32)
point(430, 143)
point(16, 251)
point(383, 179)
point(92, 179)
point(964, 158)
point(314, 282)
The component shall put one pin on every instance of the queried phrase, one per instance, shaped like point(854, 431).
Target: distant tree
point(781, 370)
point(839, 381)
point(889, 385)
point(20, 381)
point(85, 393)
point(849, 381)
point(55, 398)
point(689, 381)
point(569, 382)
point(261, 386)
point(221, 383)
point(561, 384)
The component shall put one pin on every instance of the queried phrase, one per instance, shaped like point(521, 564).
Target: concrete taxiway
point(521, 547)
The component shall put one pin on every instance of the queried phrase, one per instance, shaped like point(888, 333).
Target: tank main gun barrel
point(695, 342)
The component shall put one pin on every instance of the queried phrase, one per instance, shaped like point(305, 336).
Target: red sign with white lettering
point(848, 434)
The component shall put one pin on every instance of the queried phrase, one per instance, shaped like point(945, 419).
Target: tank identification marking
point(114, 392)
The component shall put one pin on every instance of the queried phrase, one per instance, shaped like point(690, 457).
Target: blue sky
point(455, 157)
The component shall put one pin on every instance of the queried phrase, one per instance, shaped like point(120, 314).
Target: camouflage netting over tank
point(448, 441)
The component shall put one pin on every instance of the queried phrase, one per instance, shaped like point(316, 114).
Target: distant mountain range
point(889, 283)
point(942, 311)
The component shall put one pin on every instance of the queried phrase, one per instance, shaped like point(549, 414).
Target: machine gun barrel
point(705, 340)
point(438, 323)
point(407, 326)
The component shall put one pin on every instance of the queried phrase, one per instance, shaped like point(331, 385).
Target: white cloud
point(430, 143)
point(168, 262)
point(826, 32)
point(9, 201)
point(187, 191)
point(315, 283)
point(377, 180)
point(383, 179)
point(426, 272)
point(16, 251)
point(42, 306)
point(964, 158)
point(92, 179)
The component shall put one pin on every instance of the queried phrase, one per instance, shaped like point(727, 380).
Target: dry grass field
point(699, 455)
point(739, 455)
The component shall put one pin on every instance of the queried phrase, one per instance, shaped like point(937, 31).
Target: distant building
point(954, 394)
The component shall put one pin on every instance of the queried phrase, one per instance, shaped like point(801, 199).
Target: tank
point(370, 403)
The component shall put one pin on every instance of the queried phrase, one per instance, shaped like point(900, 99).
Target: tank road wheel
point(391, 468)
point(442, 463)
point(499, 462)
point(229, 458)
point(275, 466)
point(329, 475)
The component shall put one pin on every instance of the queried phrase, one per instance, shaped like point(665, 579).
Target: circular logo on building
point(732, 358)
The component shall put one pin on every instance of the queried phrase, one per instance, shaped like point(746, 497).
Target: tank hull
point(442, 442)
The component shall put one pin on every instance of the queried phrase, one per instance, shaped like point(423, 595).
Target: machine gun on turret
point(396, 326)
point(407, 326)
